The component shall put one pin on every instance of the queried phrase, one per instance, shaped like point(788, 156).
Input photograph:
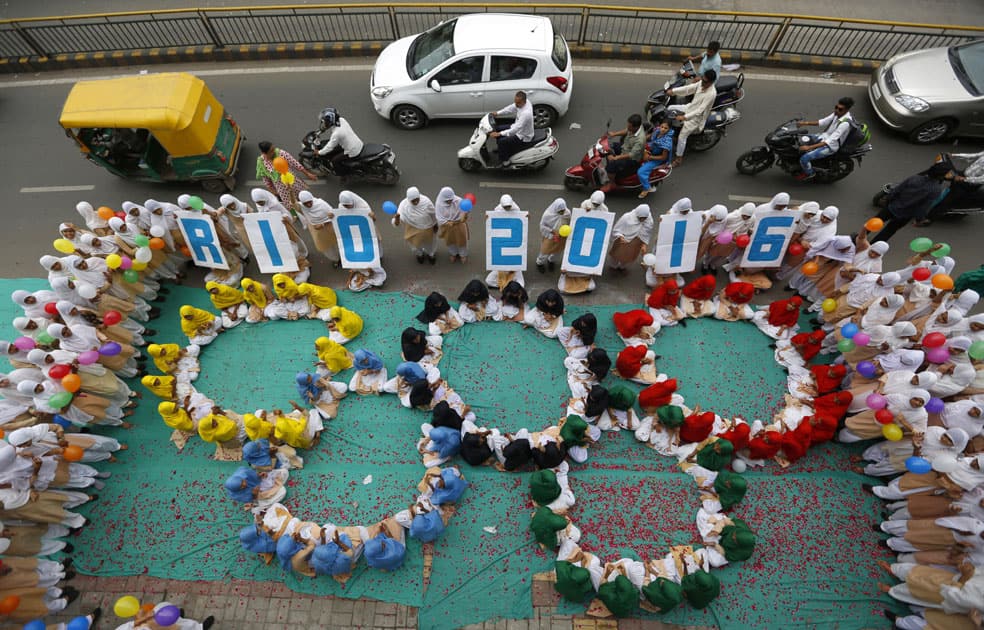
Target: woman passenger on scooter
point(657, 154)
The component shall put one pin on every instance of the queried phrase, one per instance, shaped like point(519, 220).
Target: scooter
point(375, 164)
point(960, 199)
point(482, 150)
point(782, 149)
point(729, 88)
point(590, 174)
point(714, 129)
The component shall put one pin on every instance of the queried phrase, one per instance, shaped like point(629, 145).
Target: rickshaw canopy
point(177, 108)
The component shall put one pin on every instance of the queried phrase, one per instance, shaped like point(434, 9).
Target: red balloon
point(50, 308)
point(884, 416)
point(59, 371)
point(921, 273)
point(121, 214)
point(742, 240)
point(111, 318)
point(934, 340)
point(470, 197)
point(796, 249)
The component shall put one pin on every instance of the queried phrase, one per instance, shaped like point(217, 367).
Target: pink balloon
point(938, 355)
point(875, 401)
point(125, 262)
point(724, 238)
point(24, 343)
point(88, 357)
point(861, 339)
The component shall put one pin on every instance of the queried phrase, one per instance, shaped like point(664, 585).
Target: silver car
point(930, 94)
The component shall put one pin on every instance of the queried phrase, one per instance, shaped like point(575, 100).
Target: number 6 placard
point(771, 234)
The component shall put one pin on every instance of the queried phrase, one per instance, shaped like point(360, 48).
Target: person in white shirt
point(342, 143)
point(835, 129)
point(695, 115)
point(516, 137)
point(419, 217)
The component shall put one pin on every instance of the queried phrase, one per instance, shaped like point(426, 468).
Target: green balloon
point(141, 240)
point(846, 345)
point(976, 350)
point(60, 400)
point(196, 203)
point(944, 250)
point(920, 244)
point(131, 275)
point(44, 338)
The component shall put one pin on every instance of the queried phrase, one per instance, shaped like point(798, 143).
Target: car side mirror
point(434, 85)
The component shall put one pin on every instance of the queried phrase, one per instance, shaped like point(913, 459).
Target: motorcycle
point(714, 129)
point(376, 163)
point(729, 88)
point(482, 151)
point(960, 199)
point(590, 173)
point(782, 149)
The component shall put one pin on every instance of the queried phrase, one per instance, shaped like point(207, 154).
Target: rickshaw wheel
point(216, 186)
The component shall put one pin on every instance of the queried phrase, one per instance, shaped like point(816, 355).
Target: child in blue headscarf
point(370, 375)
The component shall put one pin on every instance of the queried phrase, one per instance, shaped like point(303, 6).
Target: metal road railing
point(582, 24)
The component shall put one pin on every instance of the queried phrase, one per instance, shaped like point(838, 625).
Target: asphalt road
point(280, 103)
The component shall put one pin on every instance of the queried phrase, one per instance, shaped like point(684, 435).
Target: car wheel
point(931, 131)
point(544, 116)
point(409, 117)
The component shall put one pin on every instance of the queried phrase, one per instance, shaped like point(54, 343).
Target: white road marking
point(808, 76)
point(520, 185)
point(43, 189)
point(746, 198)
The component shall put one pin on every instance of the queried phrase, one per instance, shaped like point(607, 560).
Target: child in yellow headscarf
point(201, 326)
point(162, 386)
point(229, 301)
point(222, 431)
point(257, 426)
point(165, 356)
point(344, 325)
point(257, 295)
point(179, 420)
point(320, 300)
point(290, 304)
point(332, 357)
point(292, 428)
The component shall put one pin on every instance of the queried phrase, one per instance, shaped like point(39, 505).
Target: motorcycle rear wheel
point(705, 140)
point(469, 165)
point(751, 163)
point(389, 175)
point(838, 170)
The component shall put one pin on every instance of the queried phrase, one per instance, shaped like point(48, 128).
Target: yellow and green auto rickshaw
point(164, 127)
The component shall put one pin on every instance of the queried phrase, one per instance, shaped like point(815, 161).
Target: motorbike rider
point(626, 156)
point(515, 137)
point(710, 59)
point(343, 143)
point(695, 114)
point(911, 200)
point(836, 127)
point(657, 154)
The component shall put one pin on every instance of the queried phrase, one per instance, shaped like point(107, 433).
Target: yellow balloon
point(113, 261)
point(126, 606)
point(138, 266)
point(64, 246)
point(892, 432)
point(287, 178)
point(829, 305)
point(565, 231)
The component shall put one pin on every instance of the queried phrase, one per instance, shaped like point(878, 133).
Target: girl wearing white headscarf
point(556, 215)
point(867, 259)
point(452, 226)
point(967, 415)
point(714, 220)
point(266, 202)
point(234, 211)
point(957, 373)
point(32, 303)
point(631, 236)
point(909, 411)
point(737, 222)
point(831, 257)
point(499, 279)
point(92, 219)
point(317, 215)
point(361, 279)
point(780, 201)
point(137, 217)
point(882, 312)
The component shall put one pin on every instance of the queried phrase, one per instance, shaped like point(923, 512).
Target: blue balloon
point(849, 330)
point(918, 465)
point(466, 205)
point(62, 422)
point(37, 624)
point(389, 207)
point(866, 369)
point(79, 623)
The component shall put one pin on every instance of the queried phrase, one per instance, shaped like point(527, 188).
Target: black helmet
point(329, 117)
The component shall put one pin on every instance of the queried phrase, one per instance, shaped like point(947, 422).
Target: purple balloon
point(875, 401)
point(167, 615)
point(866, 369)
point(938, 355)
point(88, 357)
point(934, 405)
point(110, 349)
point(861, 339)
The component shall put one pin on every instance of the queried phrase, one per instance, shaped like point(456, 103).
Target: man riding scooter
point(627, 156)
point(515, 137)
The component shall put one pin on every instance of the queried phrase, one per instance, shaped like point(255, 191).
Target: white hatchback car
point(472, 65)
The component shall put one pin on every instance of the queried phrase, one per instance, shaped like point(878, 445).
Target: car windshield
point(430, 49)
point(968, 62)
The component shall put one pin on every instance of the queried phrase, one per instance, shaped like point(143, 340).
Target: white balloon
point(649, 260)
point(157, 231)
point(739, 466)
point(143, 254)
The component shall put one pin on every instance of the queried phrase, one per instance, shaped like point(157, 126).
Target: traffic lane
point(282, 107)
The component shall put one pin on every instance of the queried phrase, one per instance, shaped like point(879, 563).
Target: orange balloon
point(1, 433)
point(185, 250)
point(280, 165)
point(71, 382)
point(874, 224)
point(943, 281)
point(72, 453)
point(157, 243)
point(148, 607)
point(105, 213)
point(810, 268)
point(9, 604)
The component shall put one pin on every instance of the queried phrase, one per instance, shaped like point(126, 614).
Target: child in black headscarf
point(438, 315)
point(477, 304)
point(514, 299)
point(548, 314)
